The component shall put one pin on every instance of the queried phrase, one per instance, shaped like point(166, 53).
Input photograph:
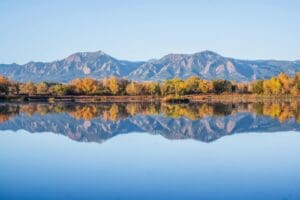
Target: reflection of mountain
point(205, 129)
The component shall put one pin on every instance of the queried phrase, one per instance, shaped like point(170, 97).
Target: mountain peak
point(205, 54)
point(174, 56)
point(79, 56)
point(88, 54)
point(208, 53)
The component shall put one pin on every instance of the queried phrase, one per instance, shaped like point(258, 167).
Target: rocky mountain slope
point(205, 64)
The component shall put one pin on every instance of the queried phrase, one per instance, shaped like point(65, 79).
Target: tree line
point(281, 84)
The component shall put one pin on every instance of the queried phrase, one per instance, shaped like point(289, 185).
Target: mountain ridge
point(205, 64)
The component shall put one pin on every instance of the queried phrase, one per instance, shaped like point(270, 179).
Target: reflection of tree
point(84, 112)
point(205, 110)
point(41, 109)
point(113, 112)
point(145, 109)
point(7, 112)
point(5, 117)
point(193, 111)
point(133, 108)
point(178, 110)
point(281, 111)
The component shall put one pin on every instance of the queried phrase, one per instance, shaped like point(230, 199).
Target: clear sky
point(140, 30)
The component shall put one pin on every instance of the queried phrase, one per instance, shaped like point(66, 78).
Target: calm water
point(150, 151)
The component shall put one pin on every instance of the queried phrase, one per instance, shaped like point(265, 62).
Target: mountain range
point(206, 64)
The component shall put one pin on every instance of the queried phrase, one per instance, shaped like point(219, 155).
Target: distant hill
point(205, 64)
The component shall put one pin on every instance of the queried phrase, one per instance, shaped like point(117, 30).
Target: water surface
point(149, 151)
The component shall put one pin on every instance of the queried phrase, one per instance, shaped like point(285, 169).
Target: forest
point(279, 85)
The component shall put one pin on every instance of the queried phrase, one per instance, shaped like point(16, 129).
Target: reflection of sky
point(245, 166)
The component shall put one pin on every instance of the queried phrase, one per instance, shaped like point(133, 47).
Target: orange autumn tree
point(84, 86)
point(5, 83)
point(28, 88)
point(89, 86)
point(286, 82)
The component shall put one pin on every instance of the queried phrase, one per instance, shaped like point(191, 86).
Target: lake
point(150, 151)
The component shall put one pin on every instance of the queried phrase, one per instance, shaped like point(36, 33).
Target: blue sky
point(141, 30)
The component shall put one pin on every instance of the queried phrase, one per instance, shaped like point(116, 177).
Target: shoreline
point(204, 98)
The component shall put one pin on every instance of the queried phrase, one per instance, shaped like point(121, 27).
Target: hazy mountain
point(205, 64)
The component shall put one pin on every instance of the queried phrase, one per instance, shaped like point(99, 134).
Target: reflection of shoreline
point(206, 129)
point(115, 111)
point(100, 122)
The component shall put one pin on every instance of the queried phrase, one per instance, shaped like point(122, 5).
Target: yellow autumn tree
point(76, 86)
point(30, 88)
point(286, 82)
point(86, 86)
point(272, 86)
point(153, 88)
point(113, 85)
point(204, 86)
point(42, 88)
point(133, 88)
point(296, 85)
point(89, 86)
point(192, 84)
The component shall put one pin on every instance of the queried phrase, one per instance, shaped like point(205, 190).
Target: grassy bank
point(235, 98)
